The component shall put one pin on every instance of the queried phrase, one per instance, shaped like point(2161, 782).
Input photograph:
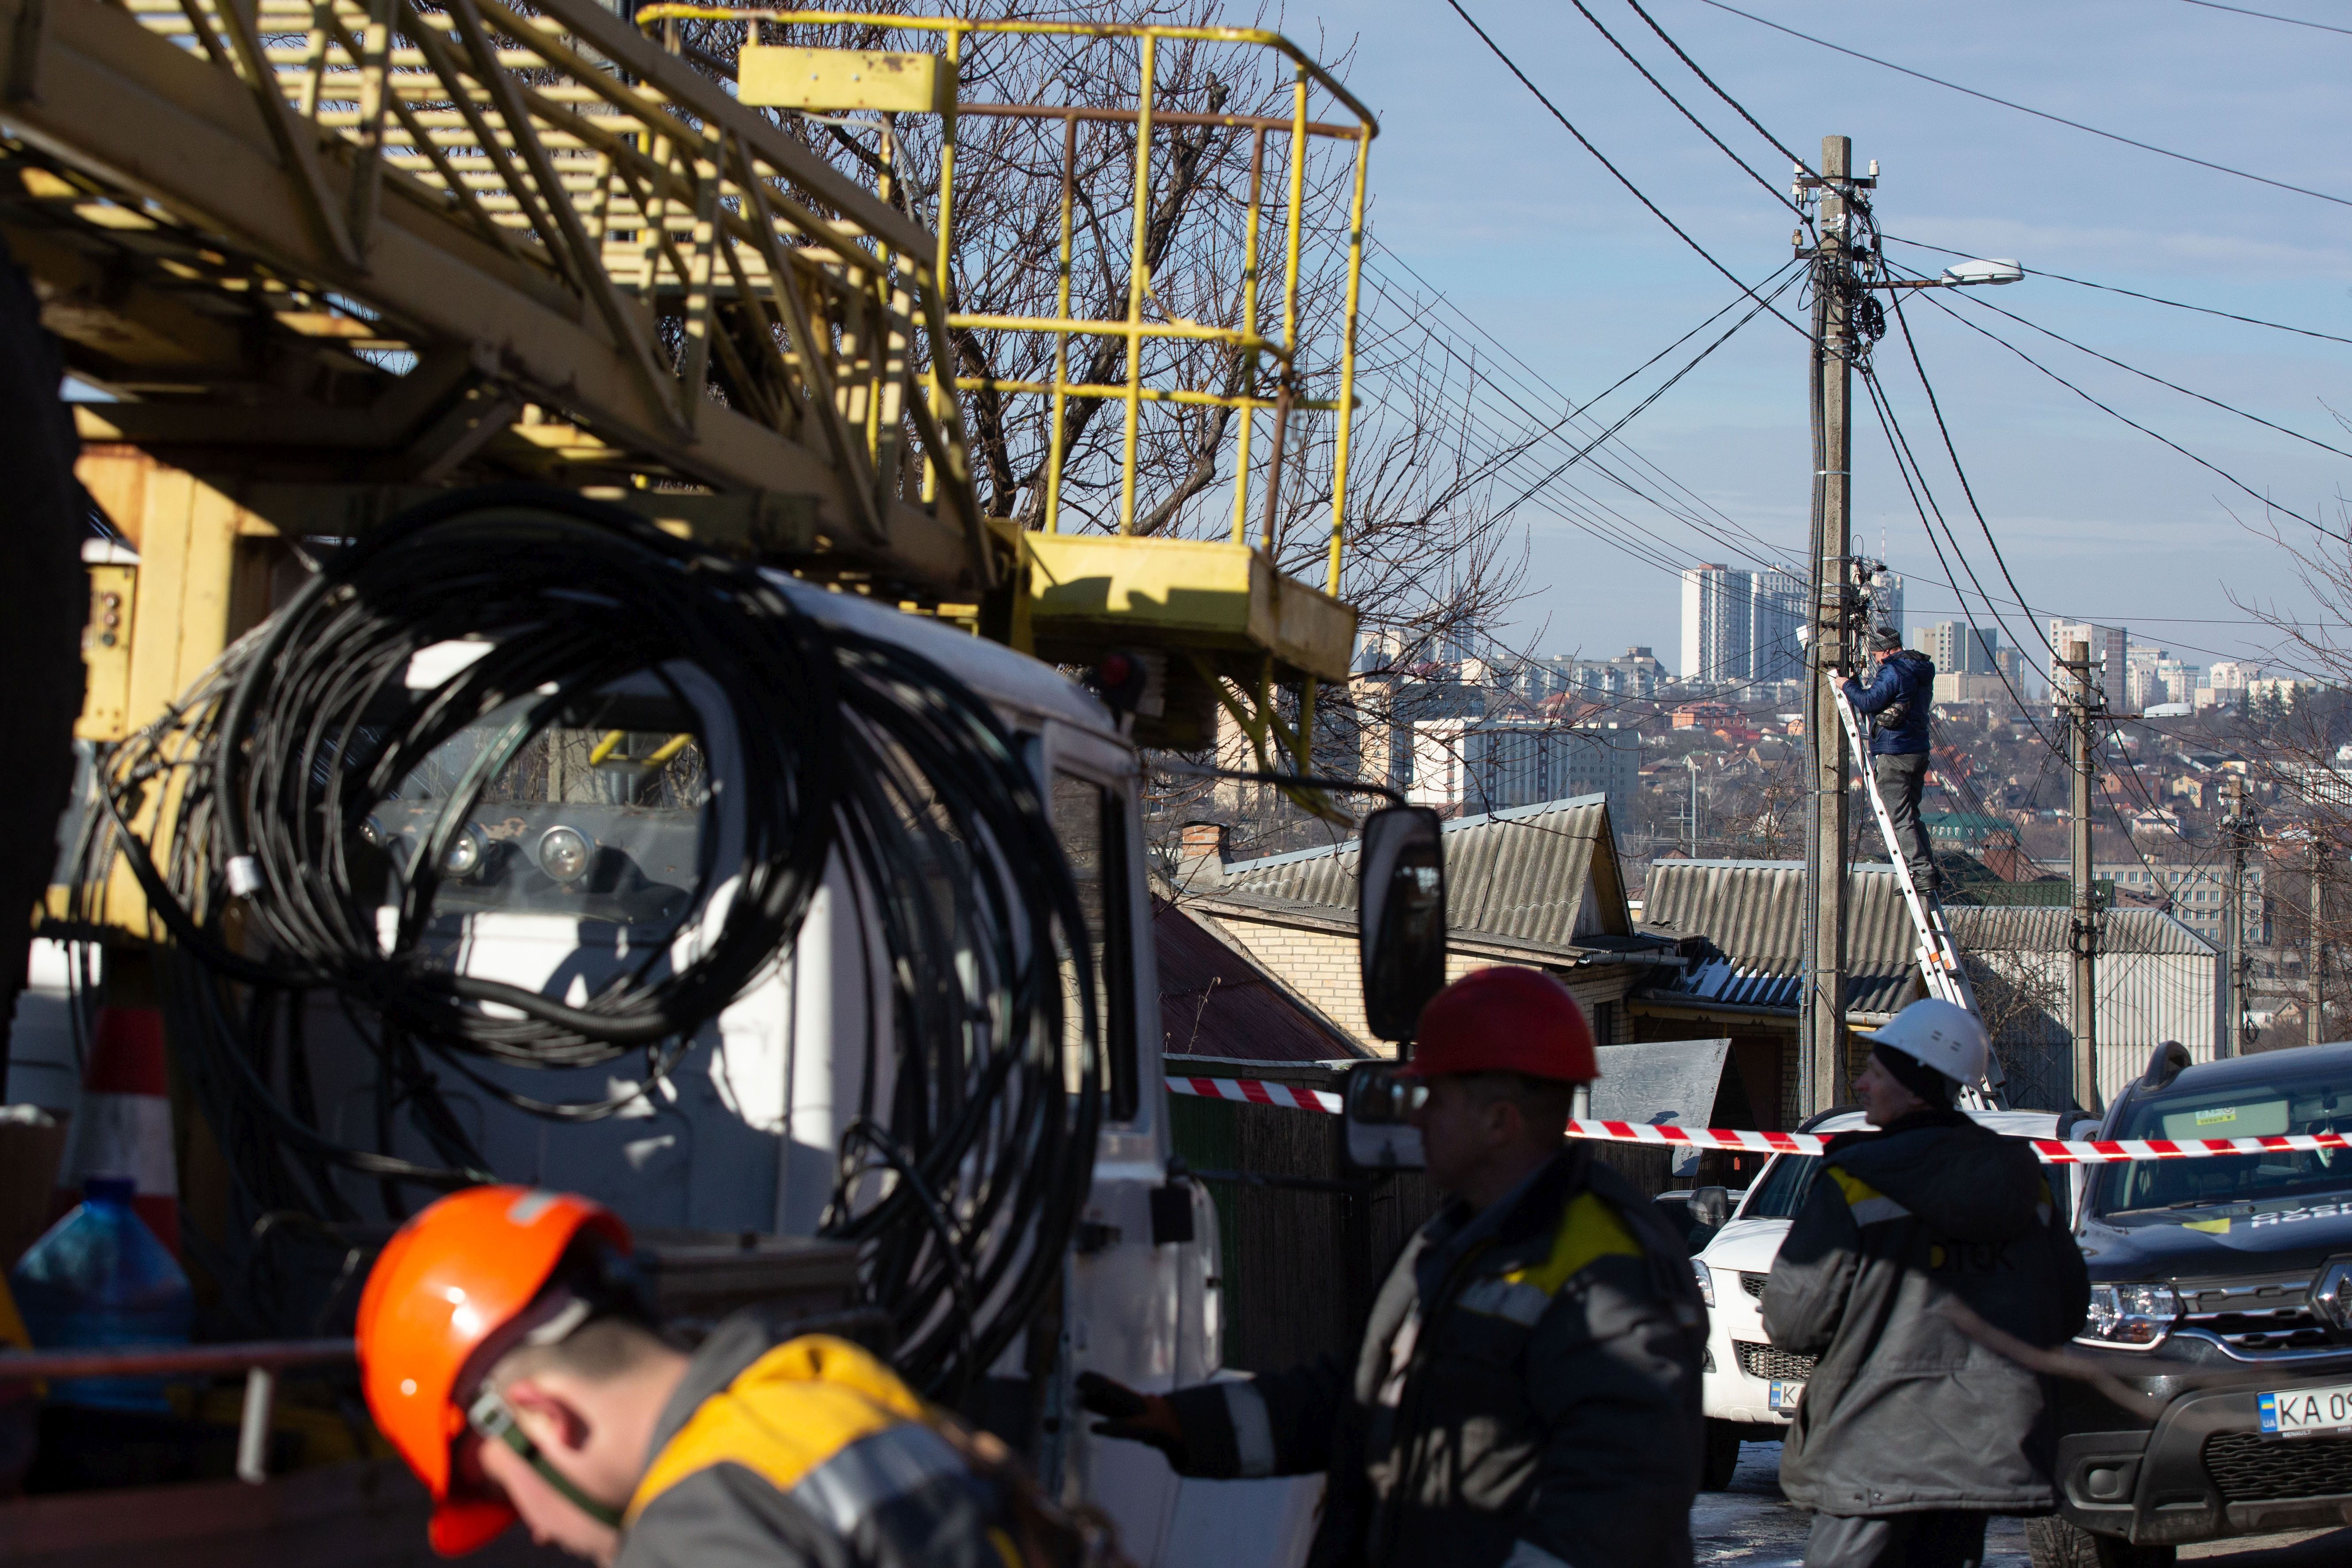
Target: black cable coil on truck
point(963, 1173)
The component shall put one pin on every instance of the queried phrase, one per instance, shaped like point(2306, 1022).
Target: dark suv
point(2222, 1295)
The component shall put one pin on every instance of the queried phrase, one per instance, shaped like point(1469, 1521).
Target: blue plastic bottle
point(98, 1279)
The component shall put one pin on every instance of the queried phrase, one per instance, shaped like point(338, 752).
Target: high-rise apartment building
point(1958, 648)
point(2110, 659)
point(1776, 609)
point(1717, 602)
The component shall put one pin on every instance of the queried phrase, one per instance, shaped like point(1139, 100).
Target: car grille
point(2256, 1315)
point(2248, 1469)
point(1754, 1284)
point(1769, 1361)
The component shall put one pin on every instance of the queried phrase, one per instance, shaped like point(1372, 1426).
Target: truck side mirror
point(1400, 917)
point(1375, 1105)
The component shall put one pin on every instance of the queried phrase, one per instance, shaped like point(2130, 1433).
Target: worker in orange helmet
point(507, 1351)
point(1528, 1390)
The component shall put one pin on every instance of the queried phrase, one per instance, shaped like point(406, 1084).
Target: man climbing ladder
point(1900, 696)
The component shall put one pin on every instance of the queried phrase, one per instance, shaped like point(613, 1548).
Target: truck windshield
point(1781, 1191)
point(2255, 1110)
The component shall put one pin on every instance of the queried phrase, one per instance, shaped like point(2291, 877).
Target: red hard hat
point(1505, 1020)
point(444, 1285)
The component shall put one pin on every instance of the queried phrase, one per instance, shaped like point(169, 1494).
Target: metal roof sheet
point(1531, 874)
point(2025, 928)
point(1749, 916)
point(1214, 1002)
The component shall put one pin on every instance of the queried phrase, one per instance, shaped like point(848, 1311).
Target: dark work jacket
point(1900, 694)
point(1528, 1391)
point(807, 1454)
point(1905, 1413)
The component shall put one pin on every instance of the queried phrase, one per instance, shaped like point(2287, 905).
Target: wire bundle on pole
point(963, 1173)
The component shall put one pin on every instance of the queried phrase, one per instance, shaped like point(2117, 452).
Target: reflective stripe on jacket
point(809, 1452)
point(1904, 1413)
point(1528, 1392)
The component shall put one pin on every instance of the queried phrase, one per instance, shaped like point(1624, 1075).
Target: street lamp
point(1958, 275)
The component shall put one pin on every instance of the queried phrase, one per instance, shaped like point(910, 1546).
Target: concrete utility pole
point(2081, 704)
point(2234, 823)
point(1822, 1026)
point(1691, 762)
point(2315, 951)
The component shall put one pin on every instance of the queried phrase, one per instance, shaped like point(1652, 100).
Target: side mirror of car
point(1375, 1105)
point(1400, 917)
point(1711, 1206)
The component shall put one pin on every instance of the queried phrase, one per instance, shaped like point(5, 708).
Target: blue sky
point(1481, 192)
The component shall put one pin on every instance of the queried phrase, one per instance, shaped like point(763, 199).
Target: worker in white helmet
point(1912, 1435)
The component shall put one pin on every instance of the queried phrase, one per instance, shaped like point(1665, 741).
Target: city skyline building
point(1716, 629)
point(2110, 659)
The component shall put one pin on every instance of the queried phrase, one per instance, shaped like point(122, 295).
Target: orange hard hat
point(444, 1286)
point(1505, 1020)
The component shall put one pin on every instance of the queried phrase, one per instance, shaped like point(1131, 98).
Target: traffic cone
point(123, 1125)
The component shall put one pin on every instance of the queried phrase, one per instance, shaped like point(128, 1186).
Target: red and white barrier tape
point(1250, 1091)
point(2053, 1150)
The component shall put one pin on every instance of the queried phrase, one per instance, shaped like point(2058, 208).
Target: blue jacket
point(1906, 683)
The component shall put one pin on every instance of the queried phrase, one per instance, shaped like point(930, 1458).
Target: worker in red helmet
point(506, 1353)
point(1528, 1389)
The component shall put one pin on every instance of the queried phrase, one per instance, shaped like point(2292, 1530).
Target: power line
point(2135, 294)
point(2268, 16)
point(2134, 424)
point(2037, 113)
point(1726, 98)
point(1655, 211)
point(2149, 375)
point(1936, 407)
point(1775, 190)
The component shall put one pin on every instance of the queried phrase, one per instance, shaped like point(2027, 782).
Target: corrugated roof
point(1531, 874)
point(2029, 929)
point(1214, 1002)
point(1749, 915)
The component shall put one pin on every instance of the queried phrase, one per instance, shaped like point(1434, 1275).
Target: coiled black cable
point(963, 1175)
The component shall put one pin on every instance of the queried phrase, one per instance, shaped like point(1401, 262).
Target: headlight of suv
point(2133, 1316)
point(1705, 1281)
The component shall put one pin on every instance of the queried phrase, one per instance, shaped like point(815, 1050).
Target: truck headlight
point(2130, 1317)
point(1705, 1281)
point(563, 854)
point(466, 852)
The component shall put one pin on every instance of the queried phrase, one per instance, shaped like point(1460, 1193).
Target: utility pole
point(1691, 762)
point(1822, 1026)
point(2233, 919)
point(2315, 951)
point(2081, 704)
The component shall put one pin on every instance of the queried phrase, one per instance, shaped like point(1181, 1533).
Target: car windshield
point(1781, 1192)
point(2259, 1181)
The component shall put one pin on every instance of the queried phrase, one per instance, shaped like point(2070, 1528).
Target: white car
point(1750, 1387)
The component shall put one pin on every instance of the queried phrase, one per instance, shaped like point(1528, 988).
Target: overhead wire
point(2273, 17)
point(2037, 113)
point(2119, 415)
point(1655, 211)
point(1738, 106)
point(2134, 293)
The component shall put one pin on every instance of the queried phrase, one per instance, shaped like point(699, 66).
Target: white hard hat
point(1940, 1034)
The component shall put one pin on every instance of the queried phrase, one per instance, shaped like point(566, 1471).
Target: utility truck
point(735, 823)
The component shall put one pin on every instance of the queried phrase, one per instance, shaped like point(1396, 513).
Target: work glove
point(1136, 1417)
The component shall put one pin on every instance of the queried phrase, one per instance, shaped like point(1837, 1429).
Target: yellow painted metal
point(106, 653)
point(1202, 595)
point(1090, 591)
point(777, 76)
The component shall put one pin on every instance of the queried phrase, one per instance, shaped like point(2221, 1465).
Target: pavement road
point(1753, 1526)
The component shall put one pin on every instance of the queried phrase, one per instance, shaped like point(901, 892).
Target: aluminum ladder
point(1937, 954)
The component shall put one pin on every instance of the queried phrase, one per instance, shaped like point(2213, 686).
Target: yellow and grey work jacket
point(1526, 1395)
point(809, 1453)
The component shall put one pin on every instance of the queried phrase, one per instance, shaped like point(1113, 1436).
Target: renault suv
point(2221, 1309)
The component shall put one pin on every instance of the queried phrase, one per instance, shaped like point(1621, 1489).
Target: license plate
point(1785, 1396)
point(2306, 1412)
